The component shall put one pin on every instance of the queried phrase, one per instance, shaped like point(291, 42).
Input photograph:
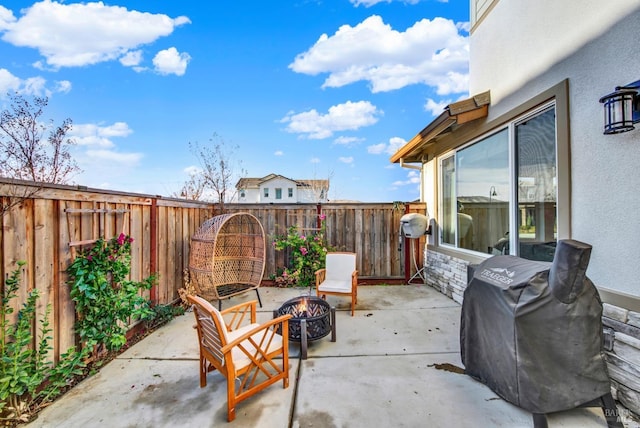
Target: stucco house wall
point(519, 49)
point(252, 190)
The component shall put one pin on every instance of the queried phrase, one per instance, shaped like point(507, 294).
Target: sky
point(307, 89)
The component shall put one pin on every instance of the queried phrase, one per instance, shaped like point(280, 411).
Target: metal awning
point(458, 113)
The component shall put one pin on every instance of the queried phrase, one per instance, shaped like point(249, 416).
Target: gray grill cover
point(532, 331)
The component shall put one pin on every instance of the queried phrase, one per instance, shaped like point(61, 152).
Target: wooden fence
point(45, 226)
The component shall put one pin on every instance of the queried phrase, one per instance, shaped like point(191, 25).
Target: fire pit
point(311, 319)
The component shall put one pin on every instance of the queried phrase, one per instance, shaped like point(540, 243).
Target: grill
point(532, 332)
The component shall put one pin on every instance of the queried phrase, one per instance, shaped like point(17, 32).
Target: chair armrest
point(320, 276)
point(354, 279)
point(283, 320)
point(242, 313)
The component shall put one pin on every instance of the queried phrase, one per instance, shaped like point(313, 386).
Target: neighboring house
point(277, 189)
point(525, 156)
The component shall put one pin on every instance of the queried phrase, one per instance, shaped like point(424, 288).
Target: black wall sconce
point(621, 108)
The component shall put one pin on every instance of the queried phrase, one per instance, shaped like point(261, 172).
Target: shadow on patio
point(395, 363)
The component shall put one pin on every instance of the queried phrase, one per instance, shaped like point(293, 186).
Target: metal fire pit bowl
point(311, 319)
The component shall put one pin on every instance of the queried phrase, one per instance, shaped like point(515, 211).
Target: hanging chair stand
point(227, 257)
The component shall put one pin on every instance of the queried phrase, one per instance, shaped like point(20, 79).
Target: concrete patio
point(394, 364)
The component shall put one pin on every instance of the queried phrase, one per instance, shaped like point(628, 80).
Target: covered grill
point(532, 332)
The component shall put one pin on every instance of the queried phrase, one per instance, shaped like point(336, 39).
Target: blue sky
point(308, 89)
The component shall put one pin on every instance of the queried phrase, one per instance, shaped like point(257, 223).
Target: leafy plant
point(105, 299)
point(28, 379)
point(307, 254)
point(162, 314)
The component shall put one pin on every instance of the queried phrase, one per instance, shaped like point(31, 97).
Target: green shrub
point(307, 254)
point(105, 300)
point(28, 379)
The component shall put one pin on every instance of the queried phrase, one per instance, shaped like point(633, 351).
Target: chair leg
point(203, 372)
point(231, 399)
point(285, 368)
point(259, 301)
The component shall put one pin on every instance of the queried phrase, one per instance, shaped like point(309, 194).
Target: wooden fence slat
point(47, 228)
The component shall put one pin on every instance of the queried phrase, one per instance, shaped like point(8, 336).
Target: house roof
point(255, 182)
point(456, 113)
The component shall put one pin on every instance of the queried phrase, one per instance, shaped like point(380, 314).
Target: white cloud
point(431, 52)
point(80, 34)
point(192, 170)
point(376, 149)
point(131, 58)
point(63, 86)
point(346, 159)
point(347, 141)
point(6, 18)
point(413, 177)
point(36, 86)
point(369, 3)
point(98, 136)
point(122, 159)
point(170, 61)
point(8, 82)
point(278, 153)
point(389, 148)
point(436, 107)
point(315, 160)
point(342, 117)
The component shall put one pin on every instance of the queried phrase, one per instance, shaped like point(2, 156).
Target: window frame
point(557, 95)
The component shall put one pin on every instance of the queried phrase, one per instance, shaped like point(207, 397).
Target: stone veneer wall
point(623, 355)
point(448, 275)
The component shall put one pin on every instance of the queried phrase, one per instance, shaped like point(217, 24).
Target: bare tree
point(193, 188)
point(27, 159)
point(219, 170)
point(317, 190)
point(25, 154)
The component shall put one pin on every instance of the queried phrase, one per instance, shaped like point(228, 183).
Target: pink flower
point(322, 216)
point(121, 239)
point(304, 251)
point(90, 257)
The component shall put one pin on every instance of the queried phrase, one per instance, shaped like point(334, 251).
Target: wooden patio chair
point(339, 277)
point(244, 352)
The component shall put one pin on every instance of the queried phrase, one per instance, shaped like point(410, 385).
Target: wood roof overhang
point(457, 113)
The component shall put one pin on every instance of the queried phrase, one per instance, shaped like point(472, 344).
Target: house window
point(266, 192)
point(498, 194)
point(278, 193)
point(290, 190)
point(242, 194)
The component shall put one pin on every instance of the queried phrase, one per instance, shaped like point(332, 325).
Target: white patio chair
point(339, 277)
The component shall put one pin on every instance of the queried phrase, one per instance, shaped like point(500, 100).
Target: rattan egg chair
point(227, 257)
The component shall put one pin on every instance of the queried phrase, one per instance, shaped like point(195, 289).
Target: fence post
point(153, 244)
point(407, 251)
